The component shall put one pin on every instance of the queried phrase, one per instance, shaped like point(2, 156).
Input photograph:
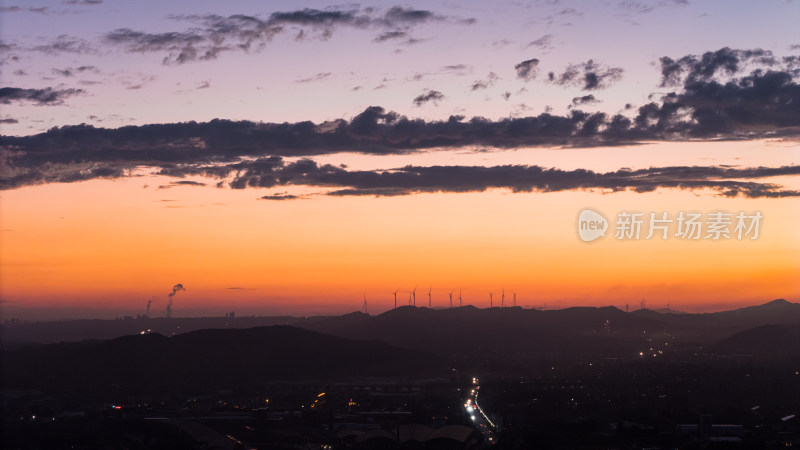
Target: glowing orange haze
point(106, 247)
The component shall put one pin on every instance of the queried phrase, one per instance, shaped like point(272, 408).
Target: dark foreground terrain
point(411, 378)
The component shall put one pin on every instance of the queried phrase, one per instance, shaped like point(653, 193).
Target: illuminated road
point(479, 418)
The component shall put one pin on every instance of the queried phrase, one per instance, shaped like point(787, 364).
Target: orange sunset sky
point(342, 201)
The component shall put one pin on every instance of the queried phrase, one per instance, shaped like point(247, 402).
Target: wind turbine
point(451, 297)
point(414, 296)
point(395, 297)
point(365, 303)
point(515, 299)
point(491, 300)
point(459, 297)
point(430, 304)
point(503, 298)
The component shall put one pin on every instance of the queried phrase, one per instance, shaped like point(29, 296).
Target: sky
point(299, 158)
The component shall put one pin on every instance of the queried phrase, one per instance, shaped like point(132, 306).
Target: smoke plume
point(175, 289)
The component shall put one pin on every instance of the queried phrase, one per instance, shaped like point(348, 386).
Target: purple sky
point(123, 63)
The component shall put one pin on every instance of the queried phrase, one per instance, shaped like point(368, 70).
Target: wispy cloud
point(64, 44)
point(644, 7)
point(211, 35)
point(484, 83)
point(428, 96)
point(589, 75)
point(181, 183)
point(545, 42)
point(317, 77)
point(72, 71)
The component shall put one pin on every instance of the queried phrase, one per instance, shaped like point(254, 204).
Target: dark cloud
point(274, 172)
point(64, 44)
point(11, 9)
point(211, 35)
point(408, 180)
point(569, 12)
point(584, 100)
point(181, 183)
point(315, 17)
point(72, 71)
point(526, 70)
point(45, 96)
point(644, 7)
point(727, 91)
point(485, 83)
point(545, 42)
point(63, 72)
point(428, 96)
point(411, 41)
point(406, 16)
point(181, 46)
point(9, 120)
point(390, 35)
point(280, 197)
point(756, 107)
point(589, 76)
point(10, 51)
point(12, 177)
point(712, 65)
point(82, 2)
point(746, 106)
point(412, 180)
point(457, 68)
point(762, 104)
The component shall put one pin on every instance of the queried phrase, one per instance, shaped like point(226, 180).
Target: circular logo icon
point(591, 225)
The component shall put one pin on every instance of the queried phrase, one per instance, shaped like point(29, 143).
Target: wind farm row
point(412, 298)
point(459, 301)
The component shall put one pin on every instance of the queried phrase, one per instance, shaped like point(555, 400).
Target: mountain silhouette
point(232, 356)
point(768, 341)
point(509, 333)
point(464, 332)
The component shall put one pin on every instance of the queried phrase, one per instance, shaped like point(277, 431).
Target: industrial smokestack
point(175, 289)
point(149, 302)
